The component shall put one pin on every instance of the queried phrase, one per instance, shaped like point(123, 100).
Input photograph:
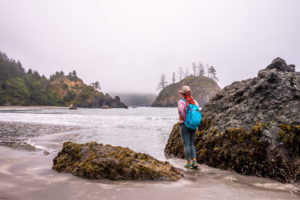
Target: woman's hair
point(188, 98)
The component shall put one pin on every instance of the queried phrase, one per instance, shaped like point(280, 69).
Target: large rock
point(96, 161)
point(203, 88)
point(252, 126)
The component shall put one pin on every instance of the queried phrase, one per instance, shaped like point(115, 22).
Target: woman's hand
point(180, 118)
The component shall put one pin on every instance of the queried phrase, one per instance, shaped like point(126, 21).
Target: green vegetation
point(290, 136)
point(18, 87)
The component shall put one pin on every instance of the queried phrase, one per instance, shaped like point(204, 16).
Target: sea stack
point(252, 126)
point(203, 88)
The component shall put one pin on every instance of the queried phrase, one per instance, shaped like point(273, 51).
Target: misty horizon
point(127, 45)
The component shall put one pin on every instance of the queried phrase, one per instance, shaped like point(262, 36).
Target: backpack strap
point(187, 103)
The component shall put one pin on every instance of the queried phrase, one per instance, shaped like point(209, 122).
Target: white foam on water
point(4, 169)
point(36, 146)
point(142, 129)
point(277, 186)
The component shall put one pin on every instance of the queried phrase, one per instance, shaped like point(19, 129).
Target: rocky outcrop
point(202, 87)
point(74, 91)
point(252, 126)
point(99, 100)
point(96, 161)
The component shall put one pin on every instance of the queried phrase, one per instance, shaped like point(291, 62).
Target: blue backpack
point(193, 116)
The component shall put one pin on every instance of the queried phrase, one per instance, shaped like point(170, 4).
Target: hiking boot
point(194, 164)
point(188, 165)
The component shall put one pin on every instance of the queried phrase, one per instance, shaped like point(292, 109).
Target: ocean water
point(142, 129)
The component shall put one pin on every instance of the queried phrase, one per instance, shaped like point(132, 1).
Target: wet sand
point(27, 175)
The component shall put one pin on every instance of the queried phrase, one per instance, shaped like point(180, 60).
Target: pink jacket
point(182, 109)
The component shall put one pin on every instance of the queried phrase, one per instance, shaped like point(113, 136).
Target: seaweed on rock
point(96, 161)
point(245, 152)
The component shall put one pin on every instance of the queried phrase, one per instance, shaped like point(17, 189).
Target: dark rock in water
point(252, 126)
point(72, 107)
point(46, 153)
point(96, 161)
point(99, 100)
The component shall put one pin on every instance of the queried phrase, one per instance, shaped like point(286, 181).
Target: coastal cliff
point(252, 126)
point(203, 88)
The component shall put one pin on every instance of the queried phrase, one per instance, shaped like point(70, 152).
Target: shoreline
point(30, 107)
point(30, 174)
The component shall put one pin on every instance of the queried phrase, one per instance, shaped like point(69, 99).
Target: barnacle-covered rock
point(252, 126)
point(96, 161)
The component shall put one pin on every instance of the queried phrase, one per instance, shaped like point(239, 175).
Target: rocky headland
point(96, 161)
point(19, 87)
point(75, 91)
point(203, 88)
point(252, 126)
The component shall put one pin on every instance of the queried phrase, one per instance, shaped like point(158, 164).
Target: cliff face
point(203, 88)
point(252, 126)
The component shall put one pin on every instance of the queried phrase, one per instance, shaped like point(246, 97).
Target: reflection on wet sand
point(30, 174)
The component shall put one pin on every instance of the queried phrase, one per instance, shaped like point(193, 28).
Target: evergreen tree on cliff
point(212, 73)
point(162, 83)
point(201, 69)
point(181, 74)
point(194, 68)
point(187, 73)
point(173, 78)
point(96, 85)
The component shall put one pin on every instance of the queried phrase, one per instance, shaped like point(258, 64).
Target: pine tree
point(74, 73)
point(181, 74)
point(212, 73)
point(173, 77)
point(208, 71)
point(201, 69)
point(194, 68)
point(96, 85)
point(187, 73)
point(29, 71)
point(162, 83)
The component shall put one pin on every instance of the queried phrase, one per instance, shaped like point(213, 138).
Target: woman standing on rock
point(188, 125)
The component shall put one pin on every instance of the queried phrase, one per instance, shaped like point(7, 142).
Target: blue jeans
point(188, 136)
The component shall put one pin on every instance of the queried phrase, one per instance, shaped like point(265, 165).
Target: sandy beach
point(27, 175)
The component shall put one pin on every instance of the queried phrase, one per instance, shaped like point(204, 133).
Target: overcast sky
point(127, 44)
